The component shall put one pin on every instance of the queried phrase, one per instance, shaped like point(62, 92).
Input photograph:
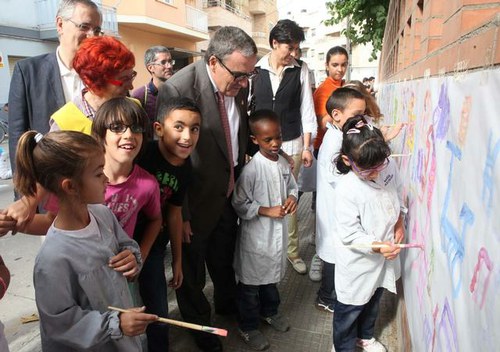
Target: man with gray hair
point(219, 86)
point(160, 65)
point(42, 84)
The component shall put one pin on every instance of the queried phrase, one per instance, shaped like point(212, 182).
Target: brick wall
point(426, 38)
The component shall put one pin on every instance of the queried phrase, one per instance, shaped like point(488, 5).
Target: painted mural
point(449, 157)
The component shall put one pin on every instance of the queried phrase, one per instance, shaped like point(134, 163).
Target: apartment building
point(28, 29)
point(320, 38)
point(256, 17)
point(184, 26)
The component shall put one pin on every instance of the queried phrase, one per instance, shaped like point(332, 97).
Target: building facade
point(320, 38)
point(440, 72)
point(184, 26)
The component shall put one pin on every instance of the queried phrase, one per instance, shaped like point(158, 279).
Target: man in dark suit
point(42, 84)
point(210, 231)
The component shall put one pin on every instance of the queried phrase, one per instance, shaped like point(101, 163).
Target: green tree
point(366, 20)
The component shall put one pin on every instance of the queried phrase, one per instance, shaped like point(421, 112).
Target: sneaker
point(298, 265)
point(255, 339)
point(278, 322)
point(323, 306)
point(370, 345)
point(315, 268)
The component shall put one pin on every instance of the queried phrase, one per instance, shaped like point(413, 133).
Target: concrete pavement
point(311, 329)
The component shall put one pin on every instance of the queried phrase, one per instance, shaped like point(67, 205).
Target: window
point(321, 56)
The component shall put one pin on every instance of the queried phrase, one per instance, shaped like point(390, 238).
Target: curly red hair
point(99, 59)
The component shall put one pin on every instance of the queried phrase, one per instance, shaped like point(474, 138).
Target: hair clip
point(38, 137)
point(357, 128)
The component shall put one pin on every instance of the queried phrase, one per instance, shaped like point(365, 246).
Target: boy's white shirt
point(261, 245)
point(365, 212)
point(326, 179)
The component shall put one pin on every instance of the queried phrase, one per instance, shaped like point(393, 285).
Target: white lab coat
point(327, 177)
point(366, 211)
point(261, 245)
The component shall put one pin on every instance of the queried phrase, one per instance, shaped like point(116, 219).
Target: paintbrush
point(383, 245)
point(211, 330)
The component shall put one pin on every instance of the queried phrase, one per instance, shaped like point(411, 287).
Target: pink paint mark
point(483, 258)
point(434, 319)
point(464, 120)
point(420, 264)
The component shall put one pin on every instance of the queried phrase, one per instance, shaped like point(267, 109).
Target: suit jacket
point(211, 172)
point(36, 92)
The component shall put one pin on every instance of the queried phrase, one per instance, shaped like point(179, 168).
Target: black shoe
point(207, 342)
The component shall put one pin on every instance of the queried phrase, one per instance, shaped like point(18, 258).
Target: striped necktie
point(227, 133)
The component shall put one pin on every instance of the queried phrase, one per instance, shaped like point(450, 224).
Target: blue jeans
point(153, 289)
point(352, 322)
point(326, 291)
point(255, 302)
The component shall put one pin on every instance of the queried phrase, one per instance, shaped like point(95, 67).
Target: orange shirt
point(320, 96)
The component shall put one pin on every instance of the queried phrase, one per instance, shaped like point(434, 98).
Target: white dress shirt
point(308, 116)
point(71, 82)
point(233, 115)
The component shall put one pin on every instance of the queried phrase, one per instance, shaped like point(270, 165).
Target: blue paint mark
point(488, 181)
point(452, 243)
point(441, 115)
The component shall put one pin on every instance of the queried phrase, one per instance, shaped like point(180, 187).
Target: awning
point(179, 53)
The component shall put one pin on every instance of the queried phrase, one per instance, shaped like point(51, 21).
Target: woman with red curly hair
point(106, 68)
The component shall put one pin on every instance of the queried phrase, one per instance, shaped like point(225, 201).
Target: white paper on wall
point(452, 190)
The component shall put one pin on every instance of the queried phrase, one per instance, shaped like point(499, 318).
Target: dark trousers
point(255, 302)
point(153, 290)
point(326, 290)
point(352, 322)
point(217, 251)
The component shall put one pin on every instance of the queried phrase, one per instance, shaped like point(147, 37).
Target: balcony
point(166, 18)
point(224, 12)
point(262, 42)
point(196, 19)
point(261, 7)
point(46, 14)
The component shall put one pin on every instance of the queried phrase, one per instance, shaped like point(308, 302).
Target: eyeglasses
point(87, 28)
point(368, 172)
point(164, 63)
point(238, 76)
point(120, 82)
point(120, 128)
